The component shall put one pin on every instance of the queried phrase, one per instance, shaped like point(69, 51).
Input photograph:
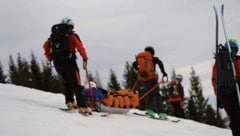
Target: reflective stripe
point(171, 99)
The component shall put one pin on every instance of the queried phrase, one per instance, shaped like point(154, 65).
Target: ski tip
point(222, 9)
point(67, 110)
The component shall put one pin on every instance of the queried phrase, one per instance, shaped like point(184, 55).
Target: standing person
point(176, 96)
point(60, 48)
point(145, 64)
point(226, 91)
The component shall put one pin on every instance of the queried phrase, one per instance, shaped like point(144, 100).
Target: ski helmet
point(179, 77)
point(233, 44)
point(92, 84)
point(67, 21)
point(150, 49)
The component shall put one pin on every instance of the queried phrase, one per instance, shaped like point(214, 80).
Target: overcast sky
point(113, 31)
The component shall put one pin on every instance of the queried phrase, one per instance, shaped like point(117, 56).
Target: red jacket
point(180, 94)
point(74, 43)
point(237, 67)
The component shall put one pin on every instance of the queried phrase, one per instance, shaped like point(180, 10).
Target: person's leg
point(231, 105)
point(62, 70)
point(74, 81)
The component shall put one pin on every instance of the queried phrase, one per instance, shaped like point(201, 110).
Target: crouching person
point(94, 96)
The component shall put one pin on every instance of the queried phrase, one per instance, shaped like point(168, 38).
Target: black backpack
point(60, 44)
point(226, 83)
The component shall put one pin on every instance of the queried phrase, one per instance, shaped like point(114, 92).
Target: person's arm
point(213, 80)
point(46, 48)
point(79, 46)
point(135, 65)
point(161, 66)
point(181, 91)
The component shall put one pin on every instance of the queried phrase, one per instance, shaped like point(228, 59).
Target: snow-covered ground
point(30, 112)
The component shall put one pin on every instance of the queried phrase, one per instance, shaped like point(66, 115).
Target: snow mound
point(30, 112)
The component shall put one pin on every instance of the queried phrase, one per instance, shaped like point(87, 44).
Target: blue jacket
point(97, 94)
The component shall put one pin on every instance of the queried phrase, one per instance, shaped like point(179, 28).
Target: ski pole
point(135, 85)
point(90, 88)
point(152, 89)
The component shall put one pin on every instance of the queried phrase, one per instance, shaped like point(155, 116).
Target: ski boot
point(72, 105)
point(162, 115)
point(149, 112)
point(85, 111)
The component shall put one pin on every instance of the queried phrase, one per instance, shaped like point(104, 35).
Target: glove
point(165, 74)
point(175, 93)
point(85, 59)
point(49, 64)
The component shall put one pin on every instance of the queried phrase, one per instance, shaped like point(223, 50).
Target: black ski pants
point(69, 71)
point(231, 105)
point(178, 110)
point(153, 100)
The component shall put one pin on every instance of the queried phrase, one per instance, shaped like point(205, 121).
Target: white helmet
point(67, 21)
point(179, 77)
point(92, 84)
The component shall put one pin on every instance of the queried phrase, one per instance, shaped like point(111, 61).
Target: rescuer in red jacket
point(60, 48)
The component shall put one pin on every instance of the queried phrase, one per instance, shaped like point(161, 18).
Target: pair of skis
point(152, 115)
point(67, 110)
point(175, 120)
point(232, 65)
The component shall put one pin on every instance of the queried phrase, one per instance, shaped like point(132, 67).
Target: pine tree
point(173, 74)
point(19, 73)
point(113, 84)
point(98, 80)
point(198, 108)
point(212, 118)
point(130, 76)
point(2, 75)
point(165, 89)
point(13, 72)
point(196, 105)
point(35, 73)
point(23, 71)
point(51, 82)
